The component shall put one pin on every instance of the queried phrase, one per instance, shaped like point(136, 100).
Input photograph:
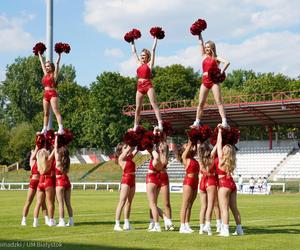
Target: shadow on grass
point(92, 170)
point(18, 244)
point(272, 229)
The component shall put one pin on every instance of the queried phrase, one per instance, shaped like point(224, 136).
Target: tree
point(237, 78)
point(4, 137)
point(175, 82)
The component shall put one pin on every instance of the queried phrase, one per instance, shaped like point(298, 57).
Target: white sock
point(218, 222)
point(182, 225)
point(61, 219)
point(117, 223)
point(156, 224)
point(207, 223)
point(126, 222)
point(35, 220)
point(45, 128)
point(60, 127)
point(197, 122)
point(201, 226)
point(23, 218)
point(224, 121)
point(187, 225)
point(226, 227)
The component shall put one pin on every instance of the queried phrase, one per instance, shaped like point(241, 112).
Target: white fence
point(140, 187)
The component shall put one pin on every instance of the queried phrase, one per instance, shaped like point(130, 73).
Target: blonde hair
point(42, 161)
point(212, 45)
point(228, 162)
point(64, 158)
point(204, 154)
point(148, 53)
point(163, 152)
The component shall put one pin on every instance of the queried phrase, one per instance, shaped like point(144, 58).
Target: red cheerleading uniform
point(193, 168)
point(164, 177)
point(154, 176)
point(47, 179)
point(33, 184)
point(62, 179)
point(49, 82)
point(225, 181)
point(144, 82)
point(208, 178)
point(128, 176)
point(208, 64)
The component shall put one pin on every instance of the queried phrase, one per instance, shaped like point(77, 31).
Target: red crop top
point(34, 169)
point(129, 165)
point(218, 170)
point(193, 167)
point(48, 81)
point(151, 167)
point(144, 71)
point(209, 63)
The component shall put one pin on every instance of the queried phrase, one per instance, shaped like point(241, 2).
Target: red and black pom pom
point(146, 142)
point(132, 35)
point(67, 48)
point(229, 136)
point(39, 47)
point(167, 128)
point(157, 32)
point(216, 76)
point(65, 138)
point(131, 138)
point(193, 135)
point(136, 33)
point(198, 26)
point(62, 47)
point(50, 138)
point(40, 141)
point(205, 132)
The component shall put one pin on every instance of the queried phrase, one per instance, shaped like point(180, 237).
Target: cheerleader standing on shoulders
point(124, 156)
point(46, 169)
point(208, 185)
point(190, 185)
point(144, 85)
point(50, 94)
point(34, 181)
point(227, 193)
point(210, 63)
point(63, 185)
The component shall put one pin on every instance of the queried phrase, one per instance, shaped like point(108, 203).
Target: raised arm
point(201, 43)
point(123, 155)
point(151, 63)
point(225, 62)
point(33, 156)
point(185, 152)
point(134, 53)
point(42, 63)
point(57, 66)
point(219, 142)
point(213, 152)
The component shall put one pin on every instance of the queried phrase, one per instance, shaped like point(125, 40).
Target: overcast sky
point(262, 35)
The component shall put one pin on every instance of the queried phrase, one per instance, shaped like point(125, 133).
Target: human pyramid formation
point(214, 165)
point(49, 162)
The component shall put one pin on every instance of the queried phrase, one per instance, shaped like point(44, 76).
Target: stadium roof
point(245, 110)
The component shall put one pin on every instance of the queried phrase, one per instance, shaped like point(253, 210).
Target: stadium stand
point(290, 168)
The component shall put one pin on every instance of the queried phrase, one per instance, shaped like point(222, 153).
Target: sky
point(259, 35)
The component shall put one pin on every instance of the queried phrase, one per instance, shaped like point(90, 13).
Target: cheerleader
point(63, 185)
point(225, 165)
point(144, 86)
point(45, 189)
point(50, 94)
point(210, 63)
point(34, 181)
point(124, 155)
point(208, 185)
point(190, 184)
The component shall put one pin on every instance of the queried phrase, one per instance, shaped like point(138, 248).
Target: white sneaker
point(224, 233)
point(61, 223)
point(155, 229)
point(184, 230)
point(117, 228)
point(160, 127)
point(61, 131)
point(23, 223)
point(225, 125)
point(36, 224)
point(201, 231)
point(218, 230)
point(169, 227)
point(43, 131)
point(195, 125)
point(238, 232)
point(127, 227)
point(189, 229)
point(52, 223)
point(151, 226)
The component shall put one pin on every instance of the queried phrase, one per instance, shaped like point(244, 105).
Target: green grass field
point(270, 222)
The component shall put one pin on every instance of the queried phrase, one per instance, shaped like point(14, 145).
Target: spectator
point(260, 184)
point(265, 184)
point(251, 184)
point(240, 183)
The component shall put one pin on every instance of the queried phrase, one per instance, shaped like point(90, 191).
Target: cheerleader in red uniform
point(208, 185)
point(210, 63)
point(225, 165)
point(124, 156)
point(63, 185)
point(144, 85)
point(34, 181)
point(190, 185)
point(50, 94)
point(46, 169)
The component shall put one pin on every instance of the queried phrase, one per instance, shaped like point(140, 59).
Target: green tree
point(175, 82)
point(237, 78)
point(4, 137)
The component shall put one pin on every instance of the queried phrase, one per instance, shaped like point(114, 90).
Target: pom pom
point(140, 131)
point(65, 138)
point(216, 76)
point(66, 48)
point(50, 138)
point(59, 48)
point(205, 132)
point(131, 138)
point(40, 141)
point(157, 32)
point(136, 34)
point(39, 47)
point(147, 141)
point(193, 135)
point(229, 136)
point(167, 128)
point(198, 26)
point(129, 37)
